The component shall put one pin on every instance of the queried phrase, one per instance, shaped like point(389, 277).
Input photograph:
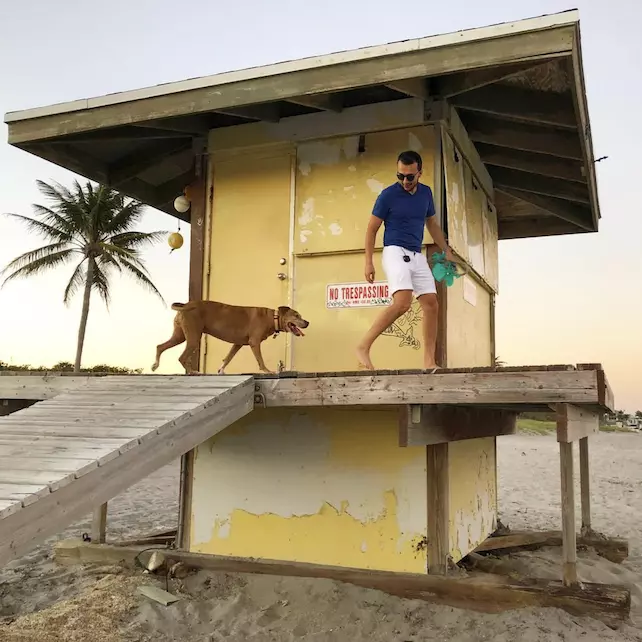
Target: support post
point(585, 489)
point(569, 546)
point(438, 508)
point(99, 525)
point(198, 215)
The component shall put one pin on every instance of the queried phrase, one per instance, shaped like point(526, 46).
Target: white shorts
point(413, 275)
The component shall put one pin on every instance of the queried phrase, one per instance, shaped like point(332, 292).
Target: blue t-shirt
point(404, 215)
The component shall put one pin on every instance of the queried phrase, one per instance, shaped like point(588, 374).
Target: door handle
point(281, 276)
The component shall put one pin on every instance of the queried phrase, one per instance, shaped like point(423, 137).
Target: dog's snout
point(305, 323)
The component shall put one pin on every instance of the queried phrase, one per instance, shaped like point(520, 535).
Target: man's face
point(408, 175)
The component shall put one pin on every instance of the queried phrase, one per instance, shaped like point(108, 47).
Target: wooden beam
point(569, 544)
point(438, 509)
point(127, 133)
point(414, 87)
point(197, 125)
point(528, 138)
point(613, 549)
point(575, 423)
point(585, 486)
point(99, 525)
point(505, 101)
point(563, 209)
point(463, 82)
point(158, 195)
point(498, 388)
point(133, 164)
point(322, 102)
point(513, 48)
point(268, 112)
point(479, 592)
point(534, 227)
point(543, 185)
point(440, 424)
point(532, 162)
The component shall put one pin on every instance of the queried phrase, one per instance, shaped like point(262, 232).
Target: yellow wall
point(327, 486)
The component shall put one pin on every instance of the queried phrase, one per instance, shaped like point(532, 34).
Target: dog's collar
point(277, 325)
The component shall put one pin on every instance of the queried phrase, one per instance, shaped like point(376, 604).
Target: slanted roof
point(518, 88)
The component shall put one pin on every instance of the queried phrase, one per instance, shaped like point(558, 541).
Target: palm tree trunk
point(85, 312)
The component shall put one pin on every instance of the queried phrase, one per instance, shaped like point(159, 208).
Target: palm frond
point(48, 231)
point(35, 255)
point(141, 277)
point(126, 217)
point(135, 240)
point(118, 252)
point(77, 279)
point(45, 262)
point(66, 205)
point(49, 217)
point(100, 282)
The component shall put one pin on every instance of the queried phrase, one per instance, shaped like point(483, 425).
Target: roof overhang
point(517, 87)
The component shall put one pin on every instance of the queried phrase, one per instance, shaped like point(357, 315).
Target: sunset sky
point(562, 299)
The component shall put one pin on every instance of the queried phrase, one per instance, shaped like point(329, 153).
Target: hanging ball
point(175, 240)
point(181, 204)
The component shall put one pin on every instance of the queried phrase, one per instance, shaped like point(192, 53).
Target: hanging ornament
point(175, 239)
point(181, 204)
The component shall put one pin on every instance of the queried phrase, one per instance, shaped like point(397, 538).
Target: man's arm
point(371, 234)
point(438, 236)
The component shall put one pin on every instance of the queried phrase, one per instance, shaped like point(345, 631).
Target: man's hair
point(409, 157)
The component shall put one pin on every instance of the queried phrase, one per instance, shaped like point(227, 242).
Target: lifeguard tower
point(386, 479)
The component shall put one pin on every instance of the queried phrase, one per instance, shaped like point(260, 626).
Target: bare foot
point(363, 355)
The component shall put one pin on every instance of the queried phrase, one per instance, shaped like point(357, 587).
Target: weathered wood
point(323, 102)
point(483, 592)
point(585, 486)
point(614, 549)
point(158, 595)
point(439, 424)
point(99, 525)
point(542, 164)
point(461, 83)
point(575, 423)
point(514, 179)
point(414, 87)
point(438, 496)
point(536, 387)
point(539, 226)
point(512, 48)
point(54, 510)
point(529, 138)
point(185, 494)
point(569, 545)
point(505, 101)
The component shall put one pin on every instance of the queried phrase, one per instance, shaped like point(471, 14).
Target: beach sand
point(41, 602)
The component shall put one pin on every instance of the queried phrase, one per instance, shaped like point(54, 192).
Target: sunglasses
point(408, 177)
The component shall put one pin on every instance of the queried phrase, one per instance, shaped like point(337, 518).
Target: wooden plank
point(440, 424)
point(35, 462)
point(585, 485)
point(9, 507)
point(80, 431)
point(569, 545)
point(329, 102)
point(574, 423)
point(514, 179)
point(543, 164)
point(528, 138)
point(482, 593)
point(320, 80)
point(53, 512)
point(614, 549)
point(20, 492)
point(524, 105)
point(99, 525)
point(158, 595)
point(438, 496)
point(605, 393)
point(537, 387)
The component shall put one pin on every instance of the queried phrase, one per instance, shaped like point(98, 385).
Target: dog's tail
point(178, 306)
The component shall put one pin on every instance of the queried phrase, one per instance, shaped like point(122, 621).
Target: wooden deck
point(65, 456)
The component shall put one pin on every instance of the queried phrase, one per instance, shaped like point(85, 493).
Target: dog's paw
point(221, 371)
point(154, 367)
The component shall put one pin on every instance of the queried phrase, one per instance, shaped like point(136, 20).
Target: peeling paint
point(352, 168)
point(305, 168)
point(375, 186)
point(335, 229)
point(308, 212)
point(304, 235)
point(348, 188)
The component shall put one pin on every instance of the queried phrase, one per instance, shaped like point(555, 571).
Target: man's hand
point(369, 272)
point(449, 255)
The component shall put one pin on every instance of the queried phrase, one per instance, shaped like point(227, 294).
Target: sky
point(567, 299)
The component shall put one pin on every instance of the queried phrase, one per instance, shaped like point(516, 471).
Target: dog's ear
point(283, 309)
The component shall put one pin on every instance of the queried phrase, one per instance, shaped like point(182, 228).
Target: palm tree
point(91, 225)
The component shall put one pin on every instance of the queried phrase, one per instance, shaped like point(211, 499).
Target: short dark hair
point(409, 157)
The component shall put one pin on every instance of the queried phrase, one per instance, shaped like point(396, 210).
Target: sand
point(40, 602)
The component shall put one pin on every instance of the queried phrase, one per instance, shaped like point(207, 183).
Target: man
point(404, 207)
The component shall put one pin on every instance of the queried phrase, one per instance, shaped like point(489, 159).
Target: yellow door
point(250, 240)
point(336, 187)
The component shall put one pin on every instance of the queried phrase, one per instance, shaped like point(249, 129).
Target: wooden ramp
point(62, 458)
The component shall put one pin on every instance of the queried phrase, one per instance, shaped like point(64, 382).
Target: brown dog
point(238, 325)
